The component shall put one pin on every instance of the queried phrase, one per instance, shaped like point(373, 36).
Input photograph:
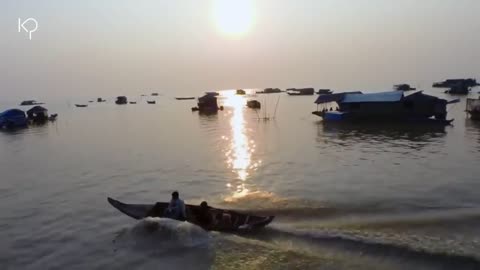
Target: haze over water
point(344, 197)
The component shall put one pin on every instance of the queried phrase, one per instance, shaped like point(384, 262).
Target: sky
point(113, 47)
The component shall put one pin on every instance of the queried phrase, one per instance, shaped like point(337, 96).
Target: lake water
point(345, 197)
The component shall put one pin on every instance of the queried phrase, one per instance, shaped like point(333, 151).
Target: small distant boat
point(454, 82)
point(52, 117)
point(300, 91)
point(30, 103)
point(212, 94)
point(151, 101)
point(253, 104)
point(324, 91)
point(269, 91)
point(121, 100)
point(81, 105)
point(100, 100)
point(403, 87)
point(154, 94)
point(241, 92)
point(184, 98)
point(133, 102)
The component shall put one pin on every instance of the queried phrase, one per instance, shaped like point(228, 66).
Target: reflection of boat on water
point(393, 106)
point(388, 132)
point(473, 108)
point(236, 221)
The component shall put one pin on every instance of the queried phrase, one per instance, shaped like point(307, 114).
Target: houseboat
point(453, 82)
point(207, 104)
point(121, 100)
point(384, 106)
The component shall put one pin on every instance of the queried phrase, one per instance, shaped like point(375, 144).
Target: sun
point(233, 18)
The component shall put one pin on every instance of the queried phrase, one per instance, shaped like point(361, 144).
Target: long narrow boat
point(184, 98)
point(238, 221)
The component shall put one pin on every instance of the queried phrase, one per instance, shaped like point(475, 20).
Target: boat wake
point(363, 247)
point(161, 235)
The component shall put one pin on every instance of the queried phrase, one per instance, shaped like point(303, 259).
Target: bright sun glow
point(233, 17)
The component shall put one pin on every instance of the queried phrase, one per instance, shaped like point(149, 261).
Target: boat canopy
point(12, 113)
point(392, 96)
point(37, 109)
point(337, 97)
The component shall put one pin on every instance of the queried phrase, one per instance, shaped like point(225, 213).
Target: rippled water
point(345, 197)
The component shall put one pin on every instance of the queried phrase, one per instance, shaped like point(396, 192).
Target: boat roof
point(336, 97)
point(12, 113)
point(391, 96)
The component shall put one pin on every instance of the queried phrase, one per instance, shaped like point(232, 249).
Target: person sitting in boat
point(203, 216)
point(176, 208)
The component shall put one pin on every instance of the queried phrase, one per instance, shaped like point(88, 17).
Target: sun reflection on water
point(239, 153)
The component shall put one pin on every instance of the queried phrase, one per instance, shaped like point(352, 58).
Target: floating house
point(38, 114)
point(207, 104)
point(384, 106)
point(300, 91)
point(121, 100)
point(13, 118)
point(453, 82)
point(473, 108)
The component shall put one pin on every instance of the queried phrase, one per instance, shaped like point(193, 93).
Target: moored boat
point(300, 91)
point(254, 104)
point(237, 221)
point(13, 118)
point(184, 98)
point(390, 106)
point(81, 105)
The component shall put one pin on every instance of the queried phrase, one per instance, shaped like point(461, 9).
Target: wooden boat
point(184, 98)
point(81, 105)
point(239, 221)
point(151, 101)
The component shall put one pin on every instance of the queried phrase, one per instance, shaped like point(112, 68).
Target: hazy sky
point(114, 47)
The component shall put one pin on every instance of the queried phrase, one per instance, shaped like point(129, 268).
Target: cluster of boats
point(16, 118)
